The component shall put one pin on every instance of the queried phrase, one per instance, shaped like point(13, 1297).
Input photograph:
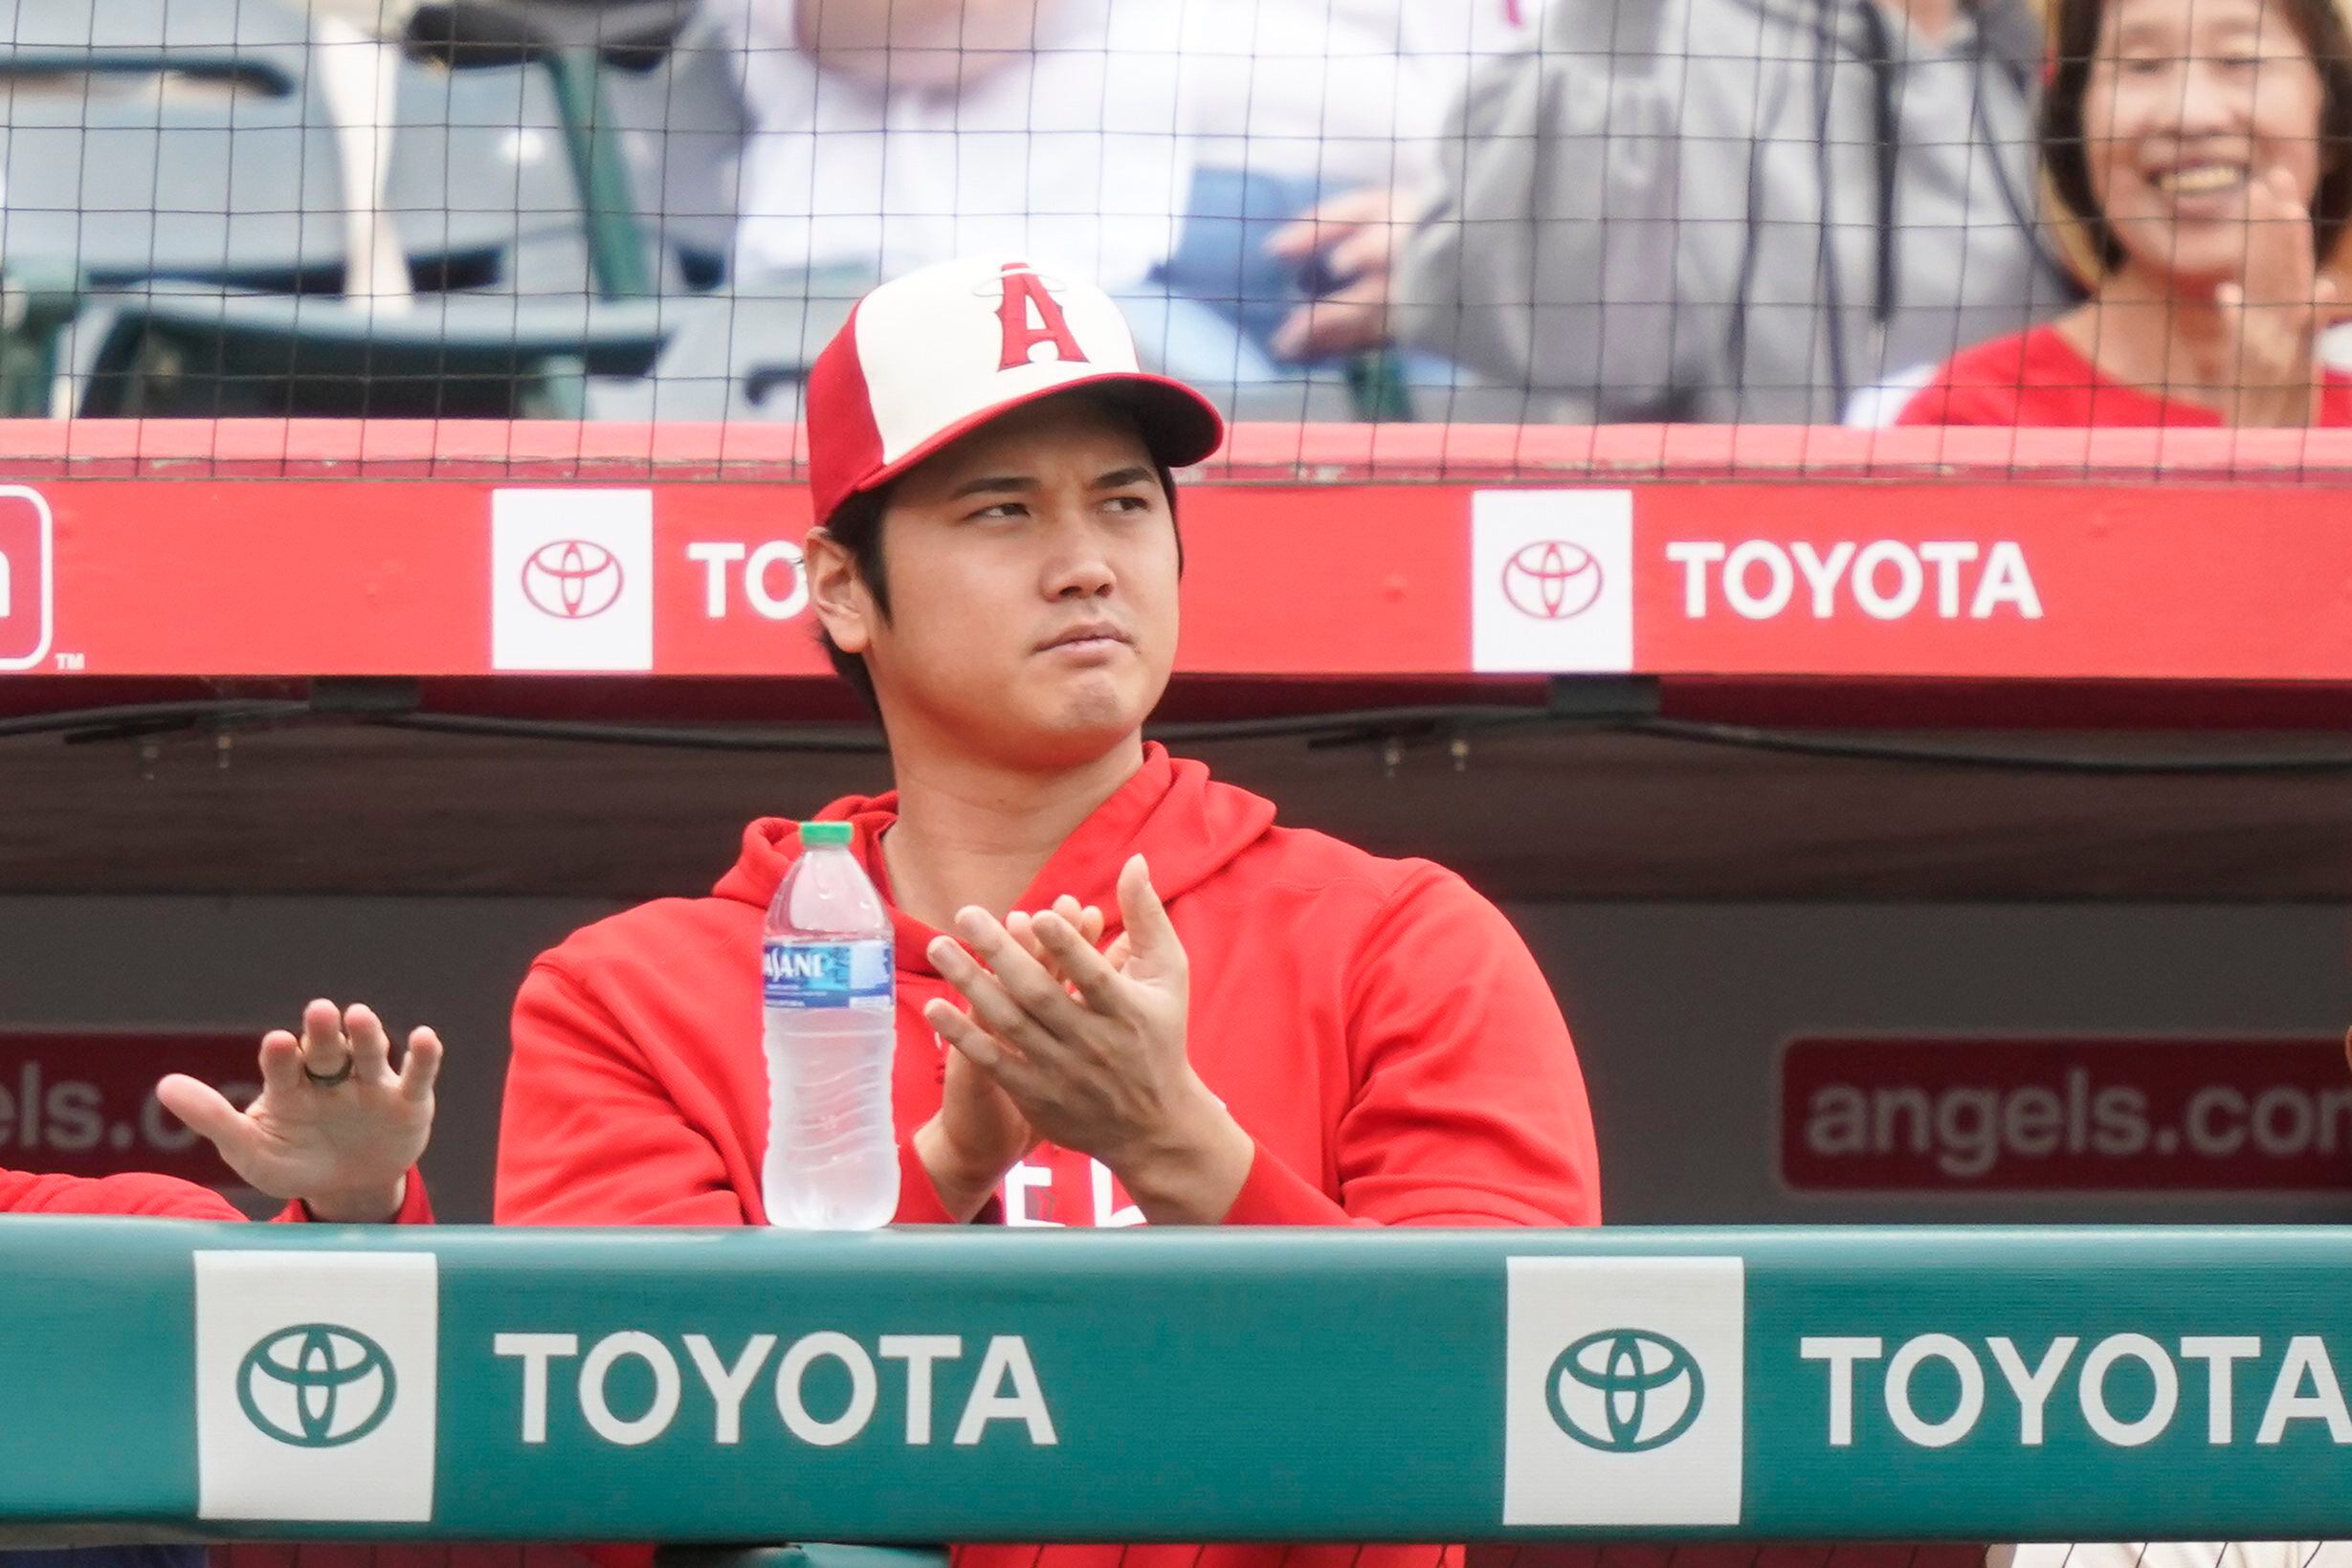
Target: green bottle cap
point(818, 834)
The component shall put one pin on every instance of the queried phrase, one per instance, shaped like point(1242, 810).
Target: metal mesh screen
point(1513, 212)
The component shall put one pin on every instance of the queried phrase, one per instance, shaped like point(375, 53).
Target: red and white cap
point(935, 354)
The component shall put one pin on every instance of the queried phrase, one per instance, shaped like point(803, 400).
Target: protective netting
point(1515, 212)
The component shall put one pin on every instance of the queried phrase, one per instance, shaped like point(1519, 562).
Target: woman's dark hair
point(2089, 245)
point(857, 526)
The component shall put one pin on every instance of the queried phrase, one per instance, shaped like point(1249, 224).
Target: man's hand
point(1091, 1048)
point(1359, 233)
point(979, 1133)
point(2276, 311)
point(344, 1148)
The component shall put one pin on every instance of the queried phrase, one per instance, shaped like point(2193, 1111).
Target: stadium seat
point(575, 43)
point(166, 139)
point(38, 303)
point(632, 35)
point(205, 353)
point(480, 194)
point(201, 269)
point(683, 120)
point(729, 355)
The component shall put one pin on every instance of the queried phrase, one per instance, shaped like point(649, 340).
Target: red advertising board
point(1921, 580)
point(27, 583)
point(82, 1102)
point(2065, 1114)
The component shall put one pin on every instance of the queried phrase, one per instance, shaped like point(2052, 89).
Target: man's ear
point(836, 592)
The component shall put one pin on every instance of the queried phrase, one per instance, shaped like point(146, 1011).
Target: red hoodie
point(1376, 1025)
point(158, 1197)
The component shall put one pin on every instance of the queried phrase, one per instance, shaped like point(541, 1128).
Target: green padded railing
point(274, 1381)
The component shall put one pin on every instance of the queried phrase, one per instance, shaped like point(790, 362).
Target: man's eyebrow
point(1016, 483)
point(989, 483)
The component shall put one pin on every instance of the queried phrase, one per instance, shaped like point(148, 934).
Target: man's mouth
point(1092, 634)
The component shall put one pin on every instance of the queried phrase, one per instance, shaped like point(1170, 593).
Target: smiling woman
point(2197, 172)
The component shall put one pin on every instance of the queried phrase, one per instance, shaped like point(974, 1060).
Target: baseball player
point(1126, 993)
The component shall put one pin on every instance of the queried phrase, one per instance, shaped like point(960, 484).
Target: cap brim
point(1181, 427)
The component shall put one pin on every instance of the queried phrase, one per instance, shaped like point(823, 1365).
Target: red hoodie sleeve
point(138, 1195)
point(1469, 1107)
point(415, 1207)
point(151, 1197)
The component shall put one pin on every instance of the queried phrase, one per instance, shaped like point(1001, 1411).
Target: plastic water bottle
point(831, 1026)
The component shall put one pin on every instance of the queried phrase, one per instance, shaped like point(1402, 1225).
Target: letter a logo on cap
point(916, 366)
point(1025, 294)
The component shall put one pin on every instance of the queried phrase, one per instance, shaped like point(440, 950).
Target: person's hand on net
point(1358, 235)
point(334, 1125)
point(979, 1133)
point(2276, 311)
point(1092, 1050)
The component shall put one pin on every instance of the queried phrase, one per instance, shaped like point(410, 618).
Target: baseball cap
point(938, 352)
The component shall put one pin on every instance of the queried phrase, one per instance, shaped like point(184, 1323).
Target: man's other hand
point(334, 1125)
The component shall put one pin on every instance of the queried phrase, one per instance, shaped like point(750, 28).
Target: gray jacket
point(1671, 210)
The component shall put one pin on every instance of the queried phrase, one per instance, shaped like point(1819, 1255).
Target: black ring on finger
point(331, 1080)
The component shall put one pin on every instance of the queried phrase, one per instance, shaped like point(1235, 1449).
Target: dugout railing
point(463, 1385)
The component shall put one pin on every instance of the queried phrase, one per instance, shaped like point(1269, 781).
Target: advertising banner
point(745, 1387)
point(1926, 1114)
point(82, 1102)
point(437, 577)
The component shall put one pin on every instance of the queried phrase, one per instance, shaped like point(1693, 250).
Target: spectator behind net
point(1324, 113)
point(1733, 210)
point(887, 135)
point(1232, 171)
point(2195, 169)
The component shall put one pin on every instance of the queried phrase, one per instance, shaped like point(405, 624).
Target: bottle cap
point(821, 835)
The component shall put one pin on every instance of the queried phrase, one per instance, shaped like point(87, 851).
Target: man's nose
point(1078, 566)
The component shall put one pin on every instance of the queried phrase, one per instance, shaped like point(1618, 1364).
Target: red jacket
point(1378, 1027)
point(2038, 379)
point(156, 1197)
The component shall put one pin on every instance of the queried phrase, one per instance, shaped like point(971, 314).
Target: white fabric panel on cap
point(933, 345)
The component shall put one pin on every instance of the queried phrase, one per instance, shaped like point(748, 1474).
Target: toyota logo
point(315, 1385)
point(1625, 1390)
point(1552, 580)
point(571, 579)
